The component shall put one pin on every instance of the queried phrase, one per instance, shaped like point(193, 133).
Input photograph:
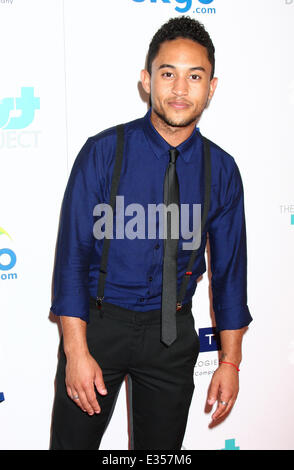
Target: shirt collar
point(160, 146)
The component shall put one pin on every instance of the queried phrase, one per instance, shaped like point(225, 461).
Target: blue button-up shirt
point(134, 270)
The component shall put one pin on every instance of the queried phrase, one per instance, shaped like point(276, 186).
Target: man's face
point(180, 85)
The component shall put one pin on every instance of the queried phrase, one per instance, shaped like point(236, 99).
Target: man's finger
point(73, 394)
point(83, 400)
point(91, 397)
point(100, 385)
point(224, 407)
point(212, 393)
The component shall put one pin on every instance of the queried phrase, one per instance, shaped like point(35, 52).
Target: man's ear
point(213, 85)
point(146, 81)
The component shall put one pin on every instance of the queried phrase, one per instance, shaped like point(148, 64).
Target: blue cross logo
point(18, 113)
point(230, 445)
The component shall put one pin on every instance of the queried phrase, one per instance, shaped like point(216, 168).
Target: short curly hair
point(181, 27)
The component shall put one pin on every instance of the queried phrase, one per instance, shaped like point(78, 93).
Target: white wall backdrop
point(81, 61)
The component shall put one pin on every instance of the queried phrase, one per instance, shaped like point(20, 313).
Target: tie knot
point(173, 153)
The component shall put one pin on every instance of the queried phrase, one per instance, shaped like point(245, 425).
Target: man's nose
point(180, 87)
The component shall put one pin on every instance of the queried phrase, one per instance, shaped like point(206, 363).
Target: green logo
point(3, 232)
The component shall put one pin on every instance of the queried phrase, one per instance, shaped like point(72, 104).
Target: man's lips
point(179, 104)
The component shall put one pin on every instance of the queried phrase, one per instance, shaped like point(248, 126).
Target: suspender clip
point(99, 302)
point(179, 305)
point(188, 273)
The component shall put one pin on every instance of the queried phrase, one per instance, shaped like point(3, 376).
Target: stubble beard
point(172, 123)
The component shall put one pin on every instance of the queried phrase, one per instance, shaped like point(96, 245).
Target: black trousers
point(160, 383)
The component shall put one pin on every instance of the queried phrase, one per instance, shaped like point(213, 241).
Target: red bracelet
point(231, 364)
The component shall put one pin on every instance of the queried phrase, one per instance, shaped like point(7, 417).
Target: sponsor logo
point(230, 445)
point(183, 6)
point(1, 397)
point(205, 367)
point(3, 232)
point(17, 114)
point(209, 339)
point(209, 342)
point(11, 256)
point(7, 260)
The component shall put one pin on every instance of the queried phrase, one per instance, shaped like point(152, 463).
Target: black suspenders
point(206, 204)
point(113, 193)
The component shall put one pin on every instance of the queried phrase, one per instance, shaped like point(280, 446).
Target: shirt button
point(150, 278)
point(142, 300)
point(157, 246)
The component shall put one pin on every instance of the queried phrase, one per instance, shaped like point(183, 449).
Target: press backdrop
point(70, 69)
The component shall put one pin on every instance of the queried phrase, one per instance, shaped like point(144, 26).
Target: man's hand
point(83, 374)
point(224, 387)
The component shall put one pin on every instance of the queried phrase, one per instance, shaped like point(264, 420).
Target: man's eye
point(167, 74)
point(195, 77)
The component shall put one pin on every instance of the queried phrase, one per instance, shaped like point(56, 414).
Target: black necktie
point(169, 275)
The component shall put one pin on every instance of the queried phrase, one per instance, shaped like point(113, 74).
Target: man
point(137, 327)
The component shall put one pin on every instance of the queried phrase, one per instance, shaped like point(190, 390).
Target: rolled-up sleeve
point(75, 237)
point(228, 255)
